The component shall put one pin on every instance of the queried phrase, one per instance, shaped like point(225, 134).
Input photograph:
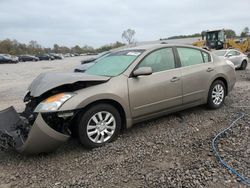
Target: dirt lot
point(172, 151)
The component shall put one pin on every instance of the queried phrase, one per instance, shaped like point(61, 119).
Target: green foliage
point(13, 47)
point(104, 48)
point(245, 32)
point(230, 33)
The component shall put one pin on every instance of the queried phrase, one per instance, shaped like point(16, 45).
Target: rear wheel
point(99, 125)
point(243, 65)
point(216, 95)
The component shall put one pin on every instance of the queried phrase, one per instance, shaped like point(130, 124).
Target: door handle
point(210, 69)
point(175, 79)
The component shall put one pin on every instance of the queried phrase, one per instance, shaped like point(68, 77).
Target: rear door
point(197, 69)
point(158, 91)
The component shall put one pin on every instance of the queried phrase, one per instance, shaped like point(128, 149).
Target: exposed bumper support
point(27, 139)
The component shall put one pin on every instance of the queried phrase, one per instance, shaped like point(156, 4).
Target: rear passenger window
point(189, 56)
point(159, 60)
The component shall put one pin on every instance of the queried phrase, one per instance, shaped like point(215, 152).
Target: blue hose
point(221, 161)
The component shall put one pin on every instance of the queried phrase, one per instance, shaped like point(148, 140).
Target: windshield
point(114, 64)
point(220, 52)
point(211, 36)
point(102, 54)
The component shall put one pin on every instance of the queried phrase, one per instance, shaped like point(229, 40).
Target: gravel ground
point(172, 151)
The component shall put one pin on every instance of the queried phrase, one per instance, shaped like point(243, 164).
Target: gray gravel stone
point(172, 151)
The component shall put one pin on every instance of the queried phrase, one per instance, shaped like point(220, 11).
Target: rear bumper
point(29, 139)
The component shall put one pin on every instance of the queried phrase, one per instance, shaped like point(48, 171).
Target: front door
point(158, 91)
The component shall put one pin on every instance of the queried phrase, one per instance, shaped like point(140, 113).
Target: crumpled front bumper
point(28, 139)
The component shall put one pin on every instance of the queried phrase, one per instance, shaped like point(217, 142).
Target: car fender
point(230, 83)
point(107, 91)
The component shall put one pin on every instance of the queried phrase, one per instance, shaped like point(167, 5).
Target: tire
point(92, 133)
point(243, 65)
point(216, 95)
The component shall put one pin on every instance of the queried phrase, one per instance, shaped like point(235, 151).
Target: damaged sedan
point(121, 89)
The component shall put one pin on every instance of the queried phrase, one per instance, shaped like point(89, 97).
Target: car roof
point(228, 50)
point(155, 46)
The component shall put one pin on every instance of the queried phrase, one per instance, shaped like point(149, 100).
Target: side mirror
point(229, 55)
point(143, 71)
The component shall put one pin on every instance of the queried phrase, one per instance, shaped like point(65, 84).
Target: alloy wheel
point(101, 127)
point(218, 94)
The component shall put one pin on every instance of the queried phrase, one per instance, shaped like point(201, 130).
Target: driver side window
point(159, 60)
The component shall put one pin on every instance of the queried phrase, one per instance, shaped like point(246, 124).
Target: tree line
point(13, 47)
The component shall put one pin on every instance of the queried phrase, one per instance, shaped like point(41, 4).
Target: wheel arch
point(245, 59)
point(223, 80)
point(115, 104)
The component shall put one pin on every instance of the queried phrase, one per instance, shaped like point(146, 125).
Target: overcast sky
point(99, 22)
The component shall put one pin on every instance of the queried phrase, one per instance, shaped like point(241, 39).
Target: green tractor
point(216, 40)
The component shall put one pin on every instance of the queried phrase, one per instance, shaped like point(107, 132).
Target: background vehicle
point(92, 53)
point(216, 39)
point(67, 55)
point(239, 59)
point(55, 56)
point(121, 89)
point(45, 57)
point(24, 58)
point(8, 59)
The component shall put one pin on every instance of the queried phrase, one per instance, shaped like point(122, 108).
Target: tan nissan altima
point(123, 88)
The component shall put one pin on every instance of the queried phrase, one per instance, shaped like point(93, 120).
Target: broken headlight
point(53, 103)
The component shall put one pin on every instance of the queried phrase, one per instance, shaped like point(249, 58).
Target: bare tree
point(34, 44)
point(128, 35)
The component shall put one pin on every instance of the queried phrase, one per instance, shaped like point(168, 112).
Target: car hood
point(47, 81)
point(83, 67)
point(88, 60)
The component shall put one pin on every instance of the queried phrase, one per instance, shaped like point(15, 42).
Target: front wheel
point(99, 125)
point(216, 95)
point(243, 65)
